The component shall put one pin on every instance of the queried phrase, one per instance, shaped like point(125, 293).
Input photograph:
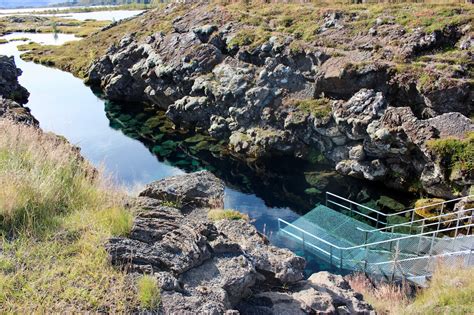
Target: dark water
point(137, 144)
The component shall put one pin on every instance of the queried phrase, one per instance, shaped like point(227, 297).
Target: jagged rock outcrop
point(219, 267)
point(12, 94)
point(271, 98)
point(10, 109)
point(9, 86)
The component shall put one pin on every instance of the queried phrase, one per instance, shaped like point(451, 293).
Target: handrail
point(400, 212)
point(420, 257)
point(421, 220)
point(368, 244)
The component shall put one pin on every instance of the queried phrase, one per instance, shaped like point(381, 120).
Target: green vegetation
point(3, 41)
point(450, 291)
point(262, 21)
point(53, 25)
point(250, 37)
point(148, 292)
point(455, 153)
point(56, 212)
point(319, 107)
point(226, 214)
point(76, 57)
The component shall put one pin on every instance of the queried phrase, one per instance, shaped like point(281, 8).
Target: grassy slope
point(451, 291)
point(262, 21)
point(55, 215)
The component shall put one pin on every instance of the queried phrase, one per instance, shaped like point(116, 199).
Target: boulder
point(201, 189)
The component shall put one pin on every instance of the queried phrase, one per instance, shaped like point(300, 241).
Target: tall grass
point(450, 291)
point(56, 212)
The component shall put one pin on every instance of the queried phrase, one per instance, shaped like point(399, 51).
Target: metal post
point(457, 226)
point(340, 259)
point(330, 255)
point(432, 242)
point(377, 223)
point(420, 237)
point(279, 227)
point(326, 198)
point(439, 218)
point(302, 238)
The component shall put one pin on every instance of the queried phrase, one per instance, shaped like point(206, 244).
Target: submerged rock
point(219, 267)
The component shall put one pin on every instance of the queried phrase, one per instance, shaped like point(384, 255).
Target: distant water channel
point(137, 149)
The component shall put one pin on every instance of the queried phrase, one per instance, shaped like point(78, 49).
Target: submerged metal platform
point(354, 237)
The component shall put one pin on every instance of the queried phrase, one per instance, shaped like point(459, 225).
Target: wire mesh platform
point(350, 242)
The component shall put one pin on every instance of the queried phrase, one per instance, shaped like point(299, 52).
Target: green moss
point(312, 191)
point(390, 203)
point(319, 107)
point(454, 152)
point(252, 37)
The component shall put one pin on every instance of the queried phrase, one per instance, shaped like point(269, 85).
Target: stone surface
point(378, 118)
point(199, 189)
point(218, 267)
point(9, 86)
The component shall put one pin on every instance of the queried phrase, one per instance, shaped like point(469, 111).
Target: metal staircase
point(354, 237)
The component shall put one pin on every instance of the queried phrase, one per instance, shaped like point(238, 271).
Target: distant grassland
point(262, 20)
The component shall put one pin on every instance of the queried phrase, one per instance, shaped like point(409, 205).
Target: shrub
point(148, 292)
point(226, 214)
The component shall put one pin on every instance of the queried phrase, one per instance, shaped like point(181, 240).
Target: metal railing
point(354, 207)
point(337, 253)
point(432, 221)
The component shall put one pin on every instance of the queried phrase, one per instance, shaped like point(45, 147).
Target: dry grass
point(56, 212)
point(226, 214)
point(451, 291)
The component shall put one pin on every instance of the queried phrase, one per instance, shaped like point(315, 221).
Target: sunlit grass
point(56, 213)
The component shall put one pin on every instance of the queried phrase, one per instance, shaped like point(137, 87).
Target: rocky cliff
point(12, 94)
point(223, 266)
point(359, 97)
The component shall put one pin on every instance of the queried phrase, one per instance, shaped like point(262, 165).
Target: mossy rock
point(197, 138)
point(317, 179)
point(316, 157)
point(169, 145)
point(312, 191)
point(154, 122)
point(428, 211)
point(124, 117)
point(158, 136)
point(372, 204)
point(201, 146)
point(386, 202)
point(161, 151)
